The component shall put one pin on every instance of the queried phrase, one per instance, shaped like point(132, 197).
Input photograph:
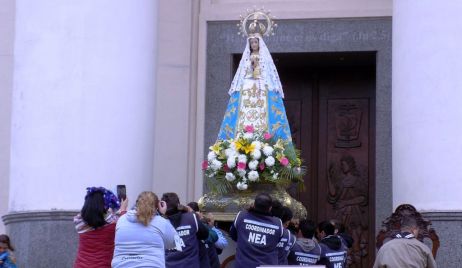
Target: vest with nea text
point(257, 239)
point(189, 257)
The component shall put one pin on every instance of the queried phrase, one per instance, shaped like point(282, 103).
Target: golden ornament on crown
point(256, 22)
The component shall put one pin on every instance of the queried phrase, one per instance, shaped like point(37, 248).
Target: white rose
point(256, 154)
point(242, 158)
point(229, 152)
point(244, 186)
point(269, 161)
point(231, 162)
point(253, 175)
point(241, 186)
point(216, 165)
point(230, 176)
point(253, 164)
point(257, 145)
point(232, 146)
point(211, 156)
point(248, 135)
point(268, 150)
point(241, 172)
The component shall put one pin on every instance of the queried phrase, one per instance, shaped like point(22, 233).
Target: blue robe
point(277, 123)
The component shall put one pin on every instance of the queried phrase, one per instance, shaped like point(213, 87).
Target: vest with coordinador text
point(285, 244)
point(189, 257)
point(257, 238)
point(333, 258)
point(299, 256)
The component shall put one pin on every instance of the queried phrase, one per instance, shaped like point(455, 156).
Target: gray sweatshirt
point(137, 245)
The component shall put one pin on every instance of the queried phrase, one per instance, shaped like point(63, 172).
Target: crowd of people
point(154, 233)
point(165, 233)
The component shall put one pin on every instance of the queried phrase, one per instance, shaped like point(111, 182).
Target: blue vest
point(213, 255)
point(333, 258)
point(189, 257)
point(203, 255)
point(257, 239)
point(298, 256)
point(285, 244)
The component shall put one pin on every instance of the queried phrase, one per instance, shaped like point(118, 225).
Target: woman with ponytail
point(143, 235)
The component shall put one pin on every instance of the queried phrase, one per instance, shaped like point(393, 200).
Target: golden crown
point(256, 22)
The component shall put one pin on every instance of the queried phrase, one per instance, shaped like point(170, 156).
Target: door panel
point(331, 111)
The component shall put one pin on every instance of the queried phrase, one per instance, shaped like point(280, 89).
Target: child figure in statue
point(256, 95)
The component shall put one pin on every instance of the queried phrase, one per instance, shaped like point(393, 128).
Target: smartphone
point(121, 192)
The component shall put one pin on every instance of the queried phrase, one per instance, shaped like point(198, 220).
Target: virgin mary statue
point(255, 105)
point(256, 92)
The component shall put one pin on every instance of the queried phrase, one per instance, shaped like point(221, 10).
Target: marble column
point(427, 113)
point(82, 115)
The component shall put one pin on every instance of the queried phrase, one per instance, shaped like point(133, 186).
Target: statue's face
point(254, 44)
point(344, 166)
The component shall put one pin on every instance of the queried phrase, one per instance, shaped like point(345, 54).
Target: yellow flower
point(248, 148)
point(240, 144)
point(279, 145)
point(243, 146)
point(216, 148)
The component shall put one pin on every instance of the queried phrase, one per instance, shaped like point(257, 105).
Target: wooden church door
point(330, 105)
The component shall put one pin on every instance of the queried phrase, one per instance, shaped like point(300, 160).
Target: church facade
point(107, 93)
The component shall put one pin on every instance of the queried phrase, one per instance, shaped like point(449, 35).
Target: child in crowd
point(7, 259)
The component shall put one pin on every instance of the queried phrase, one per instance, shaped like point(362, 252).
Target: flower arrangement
point(253, 157)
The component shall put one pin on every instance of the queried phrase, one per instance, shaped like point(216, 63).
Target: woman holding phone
point(142, 235)
point(95, 225)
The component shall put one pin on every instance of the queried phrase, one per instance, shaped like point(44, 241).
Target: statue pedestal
point(225, 207)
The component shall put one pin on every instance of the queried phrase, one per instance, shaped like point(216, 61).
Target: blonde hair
point(146, 206)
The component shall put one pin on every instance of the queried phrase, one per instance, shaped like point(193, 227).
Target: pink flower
point(262, 166)
point(226, 168)
point(249, 129)
point(241, 165)
point(205, 165)
point(284, 161)
point(267, 136)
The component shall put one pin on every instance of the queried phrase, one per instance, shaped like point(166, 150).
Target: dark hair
point(287, 215)
point(277, 209)
point(263, 202)
point(173, 204)
point(327, 227)
point(307, 228)
point(408, 222)
point(171, 199)
point(194, 206)
point(93, 210)
point(5, 239)
point(292, 228)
